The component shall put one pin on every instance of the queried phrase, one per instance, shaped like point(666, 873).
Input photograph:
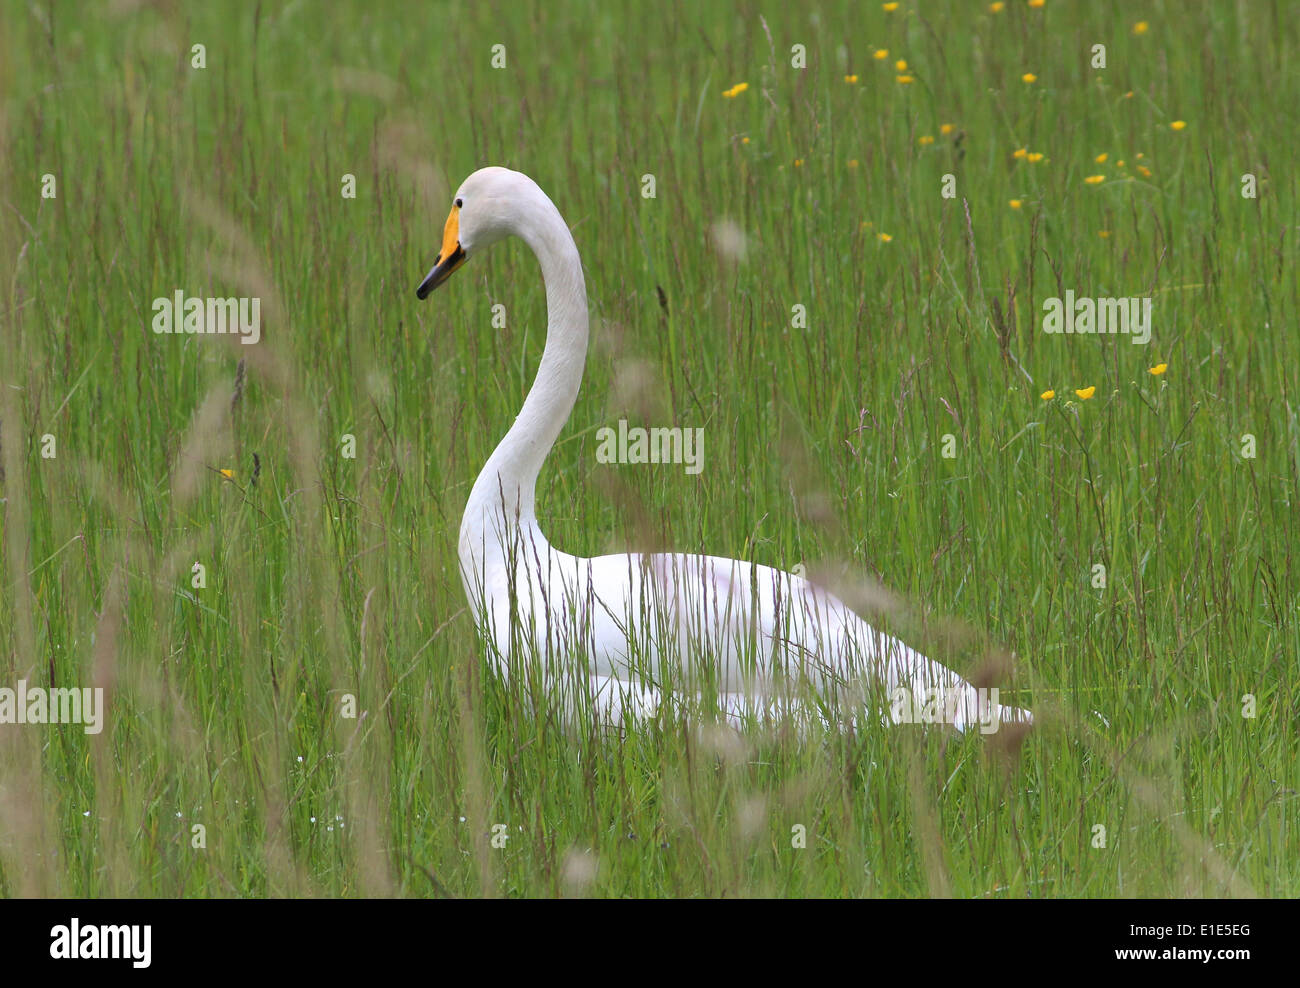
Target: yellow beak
point(449, 258)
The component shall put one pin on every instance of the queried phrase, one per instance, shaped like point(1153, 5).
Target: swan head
point(490, 205)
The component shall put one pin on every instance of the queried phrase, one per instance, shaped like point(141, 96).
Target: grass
point(334, 577)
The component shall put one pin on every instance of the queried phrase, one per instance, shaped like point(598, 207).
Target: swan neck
point(504, 495)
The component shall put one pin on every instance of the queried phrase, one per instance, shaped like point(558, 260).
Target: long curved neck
point(503, 497)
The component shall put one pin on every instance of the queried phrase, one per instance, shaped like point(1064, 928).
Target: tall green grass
point(331, 577)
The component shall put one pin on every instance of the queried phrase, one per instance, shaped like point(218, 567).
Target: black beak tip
point(426, 286)
point(441, 271)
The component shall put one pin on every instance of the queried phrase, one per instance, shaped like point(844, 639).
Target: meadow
point(858, 213)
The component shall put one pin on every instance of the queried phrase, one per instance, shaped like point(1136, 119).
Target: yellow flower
point(1086, 393)
point(1015, 204)
point(1101, 158)
point(1120, 163)
point(1020, 152)
point(1140, 27)
point(889, 8)
point(1037, 3)
point(1048, 395)
point(884, 237)
point(1178, 124)
point(1146, 172)
point(228, 474)
point(1128, 95)
point(1140, 155)
point(1029, 77)
point(925, 139)
point(744, 140)
point(1095, 179)
point(1034, 157)
point(850, 79)
point(735, 90)
point(946, 129)
point(798, 162)
point(1158, 369)
point(904, 80)
point(853, 162)
point(881, 54)
point(1104, 234)
point(996, 8)
point(901, 65)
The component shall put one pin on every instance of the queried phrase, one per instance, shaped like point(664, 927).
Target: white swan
point(629, 630)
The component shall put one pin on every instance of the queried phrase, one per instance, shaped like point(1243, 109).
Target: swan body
point(617, 634)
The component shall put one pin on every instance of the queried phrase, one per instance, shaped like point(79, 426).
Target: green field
point(1166, 701)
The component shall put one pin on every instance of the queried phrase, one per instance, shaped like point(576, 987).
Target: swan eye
point(459, 203)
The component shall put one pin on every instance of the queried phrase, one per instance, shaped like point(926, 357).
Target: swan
point(617, 634)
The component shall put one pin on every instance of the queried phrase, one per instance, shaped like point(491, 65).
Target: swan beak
point(449, 258)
